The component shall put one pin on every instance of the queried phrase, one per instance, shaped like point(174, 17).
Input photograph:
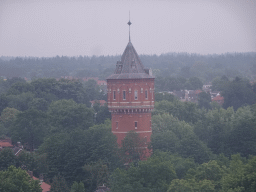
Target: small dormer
point(119, 67)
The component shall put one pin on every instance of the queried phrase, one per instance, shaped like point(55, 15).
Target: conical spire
point(130, 66)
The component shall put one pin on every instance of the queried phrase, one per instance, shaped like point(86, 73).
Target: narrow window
point(135, 95)
point(114, 95)
point(150, 125)
point(136, 124)
point(116, 125)
point(124, 96)
point(146, 94)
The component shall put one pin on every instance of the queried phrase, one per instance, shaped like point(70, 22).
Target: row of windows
point(135, 95)
point(135, 124)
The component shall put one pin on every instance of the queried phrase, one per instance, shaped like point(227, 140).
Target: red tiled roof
point(218, 98)
point(5, 144)
point(46, 187)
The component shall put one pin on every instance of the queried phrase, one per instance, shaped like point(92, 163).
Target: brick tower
point(131, 96)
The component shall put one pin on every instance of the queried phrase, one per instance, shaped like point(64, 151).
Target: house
point(7, 143)
point(219, 99)
point(207, 88)
point(192, 95)
point(45, 187)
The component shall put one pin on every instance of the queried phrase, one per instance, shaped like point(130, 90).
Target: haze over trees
point(195, 147)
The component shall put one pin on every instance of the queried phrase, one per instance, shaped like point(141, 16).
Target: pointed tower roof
point(130, 66)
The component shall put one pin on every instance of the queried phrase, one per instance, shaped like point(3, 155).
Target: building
point(219, 99)
point(131, 96)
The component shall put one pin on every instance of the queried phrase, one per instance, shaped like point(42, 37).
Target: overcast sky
point(48, 28)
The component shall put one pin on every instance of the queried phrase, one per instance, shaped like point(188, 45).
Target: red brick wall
point(129, 86)
point(126, 123)
point(127, 111)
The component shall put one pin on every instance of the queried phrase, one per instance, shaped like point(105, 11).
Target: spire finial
point(129, 23)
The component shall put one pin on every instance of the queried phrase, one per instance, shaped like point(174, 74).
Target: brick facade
point(131, 97)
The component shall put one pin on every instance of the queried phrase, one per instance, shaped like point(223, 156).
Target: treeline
point(205, 67)
point(71, 144)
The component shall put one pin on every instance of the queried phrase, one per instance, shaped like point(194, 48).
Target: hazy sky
point(75, 27)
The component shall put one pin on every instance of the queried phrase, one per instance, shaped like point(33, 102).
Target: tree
point(250, 176)
point(16, 180)
point(220, 84)
point(77, 187)
point(242, 137)
point(67, 153)
point(7, 158)
point(180, 185)
point(238, 93)
point(8, 116)
point(133, 148)
point(99, 174)
point(30, 126)
point(153, 175)
point(194, 83)
point(39, 104)
point(92, 89)
point(59, 184)
point(162, 96)
point(181, 140)
point(67, 115)
point(102, 113)
point(20, 101)
point(186, 111)
point(233, 180)
point(204, 100)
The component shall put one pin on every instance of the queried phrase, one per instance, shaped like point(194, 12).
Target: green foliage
point(51, 89)
point(77, 187)
point(250, 175)
point(30, 126)
point(214, 127)
point(20, 101)
point(181, 165)
point(133, 148)
point(7, 118)
point(29, 161)
point(152, 175)
point(193, 83)
point(7, 158)
point(172, 135)
point(98, 174)
point(17, 180)
point(102, 113)
point(220, 84)
point(93, 90)
point(186, 111)
point(204, 100)
point(162, 96)
point(67, 115)
point(67, 153)
point(180, 185)
point(59, 184)
point(238, 93)
point(233, 180)
point(242, 138)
